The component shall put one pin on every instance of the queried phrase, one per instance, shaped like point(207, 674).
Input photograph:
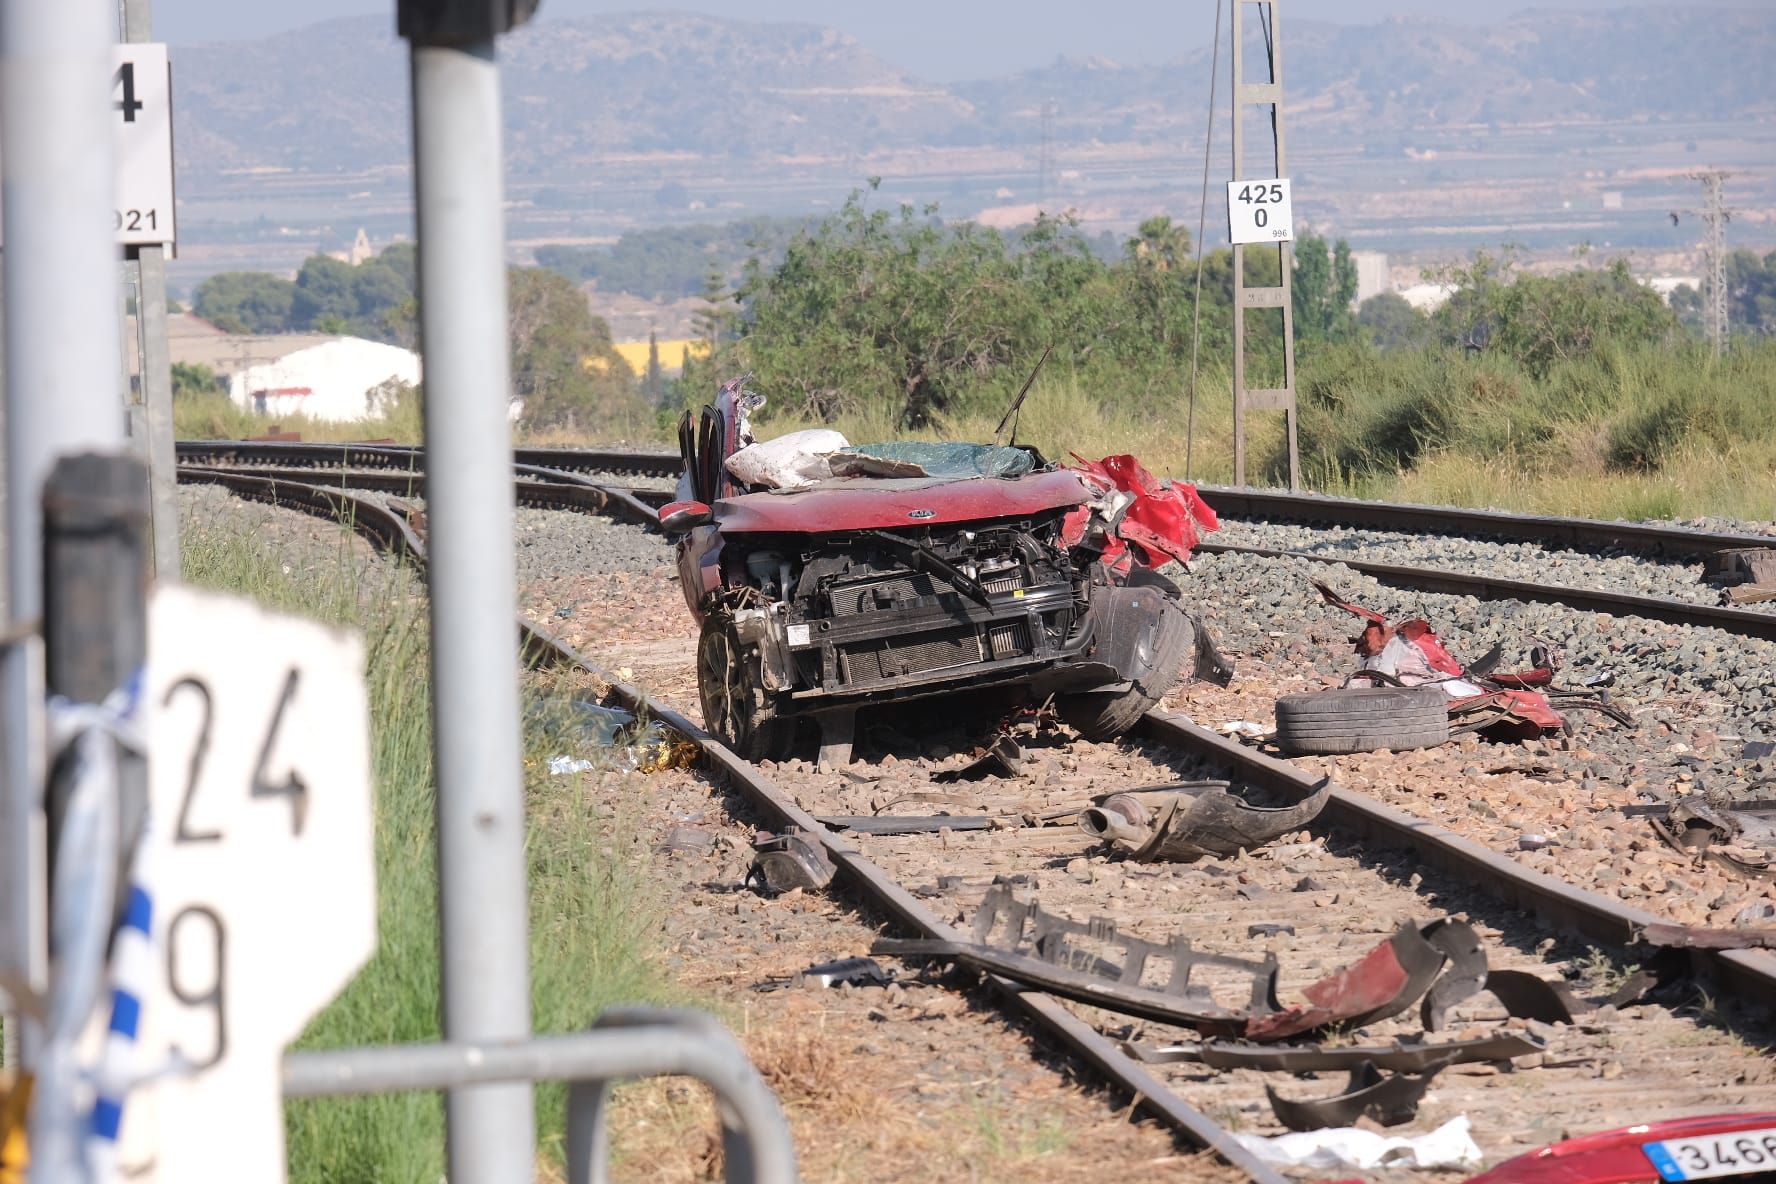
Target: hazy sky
point(977, 39)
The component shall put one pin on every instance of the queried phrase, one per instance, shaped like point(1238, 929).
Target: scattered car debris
point(788, 861)
point(1002, 758)
point(1741, 838)
point(906, 824)
point(1093, 962)
point(1368, 1093)
point(940, 567)
point(841, 972)
point(1402, 1055)
point(686, 838)
point(1449, 1146)
point(1515, 706)
point(1386, 981)
point(1749, 574)
point(1194, 821)
point(1689, 937)
point(1529, 997)
point(1036, 949)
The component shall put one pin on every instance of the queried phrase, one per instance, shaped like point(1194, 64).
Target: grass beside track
point(591, 915)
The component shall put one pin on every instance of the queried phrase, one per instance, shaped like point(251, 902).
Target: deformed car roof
point(875, 503)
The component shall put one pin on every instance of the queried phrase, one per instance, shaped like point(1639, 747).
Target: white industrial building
point(344, 379)
point(1373, 277)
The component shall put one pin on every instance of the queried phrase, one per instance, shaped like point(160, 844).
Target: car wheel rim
point(725, 692)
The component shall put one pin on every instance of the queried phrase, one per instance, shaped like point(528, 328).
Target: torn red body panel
point(1411, 653)
point(1163, 522)
point(1386, 980)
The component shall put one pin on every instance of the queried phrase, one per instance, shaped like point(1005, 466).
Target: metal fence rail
point(627, 1043)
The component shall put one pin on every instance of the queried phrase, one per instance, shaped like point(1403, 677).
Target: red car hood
point(866, 503)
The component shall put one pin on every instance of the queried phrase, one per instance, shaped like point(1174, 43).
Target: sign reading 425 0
point(1260, 212)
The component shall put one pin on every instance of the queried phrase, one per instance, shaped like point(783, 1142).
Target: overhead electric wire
point(1201, 222)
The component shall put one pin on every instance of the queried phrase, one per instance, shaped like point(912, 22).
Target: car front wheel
point(1160, 654)
point(735, 709)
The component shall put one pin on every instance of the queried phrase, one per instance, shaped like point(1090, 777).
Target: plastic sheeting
point(1449, 1146)
point(942, 459)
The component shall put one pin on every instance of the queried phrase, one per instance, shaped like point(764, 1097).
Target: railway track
point(1373, 865)
point(1245, 504)
point(390, 467)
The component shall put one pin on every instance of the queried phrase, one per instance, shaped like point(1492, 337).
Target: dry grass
point(852, 1121)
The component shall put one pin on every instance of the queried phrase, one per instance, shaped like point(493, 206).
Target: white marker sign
point(1260, 212)
point(263, 874)
point(141, 100)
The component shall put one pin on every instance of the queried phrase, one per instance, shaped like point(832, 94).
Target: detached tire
point(1362, 719)
point(1105, 715)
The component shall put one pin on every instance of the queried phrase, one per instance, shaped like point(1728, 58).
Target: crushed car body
point(825, 576)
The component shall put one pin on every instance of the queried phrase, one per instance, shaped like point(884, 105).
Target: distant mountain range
point(332, 97)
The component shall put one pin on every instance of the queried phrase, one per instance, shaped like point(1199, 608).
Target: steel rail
point(389, 531)
point(541, 648)
point(296, 454)
point(1599, 919)
point(1584, 534)
point(565, 489)
point(1745, 622)
point(308, 454)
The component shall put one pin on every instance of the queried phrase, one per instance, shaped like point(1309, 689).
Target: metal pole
point(62, 390)
point(156, 419)
point(473, 575)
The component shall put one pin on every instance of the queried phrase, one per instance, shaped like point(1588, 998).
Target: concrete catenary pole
point(471, 505)
point(63, 390)
point(155, 421)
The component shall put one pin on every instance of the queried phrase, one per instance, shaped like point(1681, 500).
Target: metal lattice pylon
point(1270, 93)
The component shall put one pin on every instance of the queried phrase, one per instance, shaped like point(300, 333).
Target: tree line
point(565, 371)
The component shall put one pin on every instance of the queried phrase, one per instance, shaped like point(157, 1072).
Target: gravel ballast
point(1614, 571)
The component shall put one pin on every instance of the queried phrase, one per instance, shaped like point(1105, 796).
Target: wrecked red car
point(827, 577)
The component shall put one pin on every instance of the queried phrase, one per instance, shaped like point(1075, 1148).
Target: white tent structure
point(344, 379)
